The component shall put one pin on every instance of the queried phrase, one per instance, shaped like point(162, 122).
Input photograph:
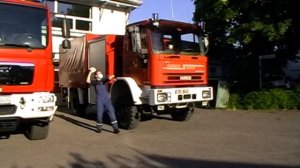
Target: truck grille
point(7, 109)
point(16, 73)
point(7, 125)
point(184, 78)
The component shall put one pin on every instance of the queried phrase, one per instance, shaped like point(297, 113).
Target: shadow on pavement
point(77, 122)
point(80, 123)
point(158, 161)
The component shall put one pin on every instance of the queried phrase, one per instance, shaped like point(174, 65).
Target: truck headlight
point(206, 94)
point(162, 97)
point(47, 99)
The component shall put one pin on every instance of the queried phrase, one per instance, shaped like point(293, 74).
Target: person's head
point(98, 75)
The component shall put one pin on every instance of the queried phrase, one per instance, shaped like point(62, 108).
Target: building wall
point(292, 69)
point(104, 17)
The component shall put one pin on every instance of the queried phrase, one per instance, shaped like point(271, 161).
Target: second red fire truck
point(160, 68)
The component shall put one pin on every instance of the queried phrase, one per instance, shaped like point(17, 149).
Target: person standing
point(103, 101)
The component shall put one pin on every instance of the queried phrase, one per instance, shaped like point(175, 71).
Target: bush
point(234, 102)
point(273, 99)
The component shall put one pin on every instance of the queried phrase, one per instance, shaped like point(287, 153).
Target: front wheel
point(183, 114)
point(127, 114)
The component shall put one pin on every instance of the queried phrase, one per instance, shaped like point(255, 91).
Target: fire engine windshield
point(175, 41)
point(22, 26)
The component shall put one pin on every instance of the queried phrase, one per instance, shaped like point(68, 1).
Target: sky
point(182, 10)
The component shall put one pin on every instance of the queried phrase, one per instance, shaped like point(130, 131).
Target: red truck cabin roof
point(168, 23)
point(25, 2)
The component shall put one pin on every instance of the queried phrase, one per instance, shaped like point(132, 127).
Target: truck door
point(135, 55)
point(97, 59)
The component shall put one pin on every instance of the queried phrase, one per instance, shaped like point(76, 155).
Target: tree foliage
point(240, 31)
point(240, 22)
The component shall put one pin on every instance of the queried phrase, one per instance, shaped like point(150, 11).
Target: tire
point(127, 114)
point(183, 114)
point(37, 131)
point(76, 108)
point(146, 117)
point(146, 112)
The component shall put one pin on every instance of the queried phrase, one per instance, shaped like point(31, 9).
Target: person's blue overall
point(103, 103)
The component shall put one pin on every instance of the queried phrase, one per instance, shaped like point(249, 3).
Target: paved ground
point(212, 138)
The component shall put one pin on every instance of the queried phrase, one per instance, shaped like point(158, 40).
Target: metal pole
point(171, 4)
point(259, 67)
point(68, 98)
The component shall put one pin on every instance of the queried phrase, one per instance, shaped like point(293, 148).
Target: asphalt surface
point(212, 138)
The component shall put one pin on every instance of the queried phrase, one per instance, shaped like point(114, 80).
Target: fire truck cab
point(26, 68)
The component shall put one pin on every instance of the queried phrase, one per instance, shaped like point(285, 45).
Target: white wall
point(107, 21)
point(103, 21)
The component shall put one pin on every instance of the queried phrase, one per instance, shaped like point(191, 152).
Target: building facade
point(89, 16)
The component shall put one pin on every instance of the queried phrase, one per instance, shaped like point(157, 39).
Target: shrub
point(273, 99)
point(234, 102)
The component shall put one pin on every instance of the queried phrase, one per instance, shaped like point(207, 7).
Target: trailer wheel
point(183, 114)
point(37, 131)
point(76, 107)
point(127, 114)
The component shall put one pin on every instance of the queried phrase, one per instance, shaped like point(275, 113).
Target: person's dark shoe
point(99, 129)
point(116, 131)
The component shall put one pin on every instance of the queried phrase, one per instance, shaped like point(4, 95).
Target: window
point(17, 28)
point(68, 9)
point(189, 43)
point(50, 5)
point(79, 16)
point(168, 41)
point(143, 38)
point(83, 25)
point(74, 10)
point(138, 39)
point(57, 22)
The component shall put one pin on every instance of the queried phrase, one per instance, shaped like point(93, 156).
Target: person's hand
point(92, 69)
point(111, 77)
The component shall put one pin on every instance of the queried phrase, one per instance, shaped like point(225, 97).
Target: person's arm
point(107, 79)
point(92, 70)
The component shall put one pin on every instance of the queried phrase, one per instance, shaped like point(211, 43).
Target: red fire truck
point(26, 68)
point(159, 64)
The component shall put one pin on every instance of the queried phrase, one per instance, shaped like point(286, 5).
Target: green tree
point(240, 31)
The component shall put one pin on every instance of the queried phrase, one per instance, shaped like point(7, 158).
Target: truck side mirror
point(65, 29)
point(66, 44)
